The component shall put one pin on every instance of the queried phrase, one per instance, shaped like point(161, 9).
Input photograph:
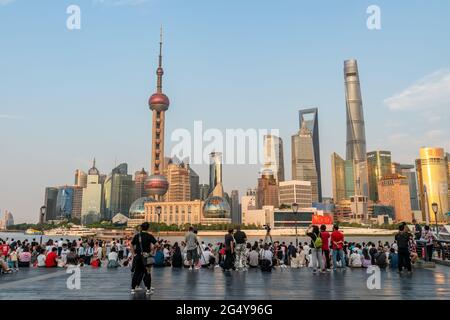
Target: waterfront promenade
point(214, 284)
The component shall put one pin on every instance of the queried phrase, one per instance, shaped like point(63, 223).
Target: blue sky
point(67, 96)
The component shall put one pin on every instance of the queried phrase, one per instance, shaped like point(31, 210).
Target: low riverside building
point(176, 213)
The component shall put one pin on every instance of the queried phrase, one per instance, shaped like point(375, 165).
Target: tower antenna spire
point(160, 71)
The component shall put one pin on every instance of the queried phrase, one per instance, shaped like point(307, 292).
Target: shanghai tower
point(356, 135)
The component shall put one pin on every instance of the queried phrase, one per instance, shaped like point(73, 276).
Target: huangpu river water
point(206, 239)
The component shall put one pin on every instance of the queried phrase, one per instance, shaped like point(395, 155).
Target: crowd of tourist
point(326, 251)
point(15, 255)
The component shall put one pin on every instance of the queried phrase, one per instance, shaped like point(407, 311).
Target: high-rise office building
point(407, 170)
point(393, 191)
point(267, 190)
point(273, 156)
point(215, 170)
point(448, 180)
point(378, 165)
point(156, 184)
point(295, 191)
point(51, 195)
point(343, 178)
point(139, 183)
point(356, 136)
point(303, 160)
point(338, 177)
point(311, 118)
point(179, 183)
point(204, 191)
point(194, 181)
point(236, 216)
point(80, 178)
point(92, 202)
point(432, 177)
point(118, 192)
point(64, 203)
point(77, 201)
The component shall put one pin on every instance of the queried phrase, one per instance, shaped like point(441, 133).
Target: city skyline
point(404, 128)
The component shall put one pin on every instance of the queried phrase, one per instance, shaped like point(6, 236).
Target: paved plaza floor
point(214, 284)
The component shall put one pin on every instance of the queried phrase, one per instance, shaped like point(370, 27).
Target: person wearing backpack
point(316, 248)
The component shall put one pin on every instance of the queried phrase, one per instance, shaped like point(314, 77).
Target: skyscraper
point(432, 176)
point(179, 184)
point(311, 118)
point(356, 136)
point(194, 181)
point(448, 180)
point(77, 201)
point(343, 178)
point(51, 195)
point(393, 191)
point(204, 191)
point(156, 184)
point(267, 190)
point(92, 202)
point(338, 177)
point(118, 192)
point(303, 160)
point(378, 165)
point(273, 156)
point(139, 183)
point(215, 170)
point(407, 171)
point(236, 216)
point(64, 203)
point(216, 208)
point(80, 178)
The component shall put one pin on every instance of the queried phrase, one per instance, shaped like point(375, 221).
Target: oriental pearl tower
point(156, 184)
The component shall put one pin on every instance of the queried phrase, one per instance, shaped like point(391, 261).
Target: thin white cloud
point(431, 92)
point(5, 2)
point(120, 2)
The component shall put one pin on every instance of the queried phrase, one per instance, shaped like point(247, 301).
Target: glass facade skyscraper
point(303, 160)
point(64, 203)
point(311, 119)
point(378, 166)
point(432, 175)
point(51, 195)
point(356, 135)
point(273, 156)
point(119, 192)
point(215, 170)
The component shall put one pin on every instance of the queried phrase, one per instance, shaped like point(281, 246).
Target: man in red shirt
point(50, 260)
point(4, 248)
point(325, 235)
point(337, 243)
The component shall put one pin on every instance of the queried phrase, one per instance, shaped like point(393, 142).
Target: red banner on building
point(316, 219)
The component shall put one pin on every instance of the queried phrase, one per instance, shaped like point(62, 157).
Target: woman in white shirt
point(266, 254)
point(355, 259)
point(41, 258)
point(113, 258)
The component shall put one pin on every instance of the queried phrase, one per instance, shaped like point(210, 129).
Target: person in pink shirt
point(25, 258)
point(337, 243)
point(325, 235)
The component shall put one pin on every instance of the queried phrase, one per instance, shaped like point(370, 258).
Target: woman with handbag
point(141, 248)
